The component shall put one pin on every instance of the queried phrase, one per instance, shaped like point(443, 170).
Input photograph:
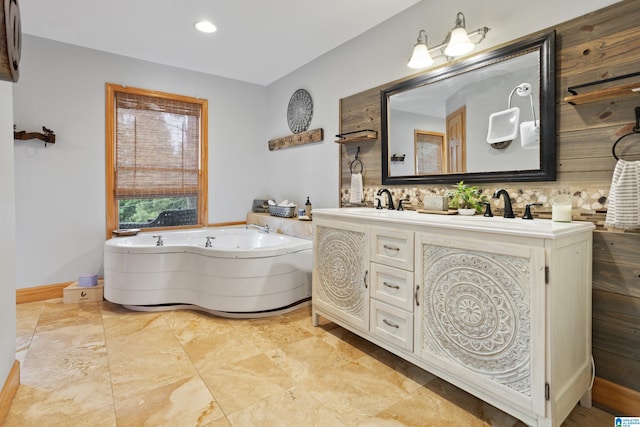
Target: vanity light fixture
point(457, 43)
point(205, 27)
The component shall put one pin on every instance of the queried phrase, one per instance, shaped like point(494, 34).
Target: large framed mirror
point(488, 118)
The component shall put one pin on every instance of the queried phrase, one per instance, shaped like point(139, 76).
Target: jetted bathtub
point(244, 272)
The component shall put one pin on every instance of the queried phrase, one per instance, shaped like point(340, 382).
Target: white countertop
point(539, 228)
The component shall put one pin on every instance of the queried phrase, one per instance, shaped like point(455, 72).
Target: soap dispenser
point(307, 208)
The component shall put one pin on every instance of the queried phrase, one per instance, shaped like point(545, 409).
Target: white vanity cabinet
point(498, 307)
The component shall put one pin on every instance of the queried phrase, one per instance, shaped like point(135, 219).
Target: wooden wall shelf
point(602, 94)
point(315, 135)
point(599, 95)
point(361, 135)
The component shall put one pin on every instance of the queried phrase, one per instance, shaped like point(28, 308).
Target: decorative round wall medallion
point(300, 111)
point(10, 40)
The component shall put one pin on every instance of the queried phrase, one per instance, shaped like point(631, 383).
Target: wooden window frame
point(110, 152)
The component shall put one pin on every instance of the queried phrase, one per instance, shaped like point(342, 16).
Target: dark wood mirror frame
point(544, 43)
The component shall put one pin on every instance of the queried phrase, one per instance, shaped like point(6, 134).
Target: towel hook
point(635, 130)
point(356, 162)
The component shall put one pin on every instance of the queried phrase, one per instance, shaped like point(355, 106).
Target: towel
point(624, 196)
point(356, 196)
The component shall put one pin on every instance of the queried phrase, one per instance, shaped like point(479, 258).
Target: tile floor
point(98, 364)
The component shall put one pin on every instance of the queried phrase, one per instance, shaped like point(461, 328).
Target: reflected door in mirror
point(456, 141)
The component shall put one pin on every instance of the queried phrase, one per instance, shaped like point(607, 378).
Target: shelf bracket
point(47, 135)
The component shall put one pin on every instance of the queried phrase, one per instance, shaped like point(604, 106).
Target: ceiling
point(258, 41)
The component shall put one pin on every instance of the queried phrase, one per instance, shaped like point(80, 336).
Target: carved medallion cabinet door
point(480, 314)
point(341, 272)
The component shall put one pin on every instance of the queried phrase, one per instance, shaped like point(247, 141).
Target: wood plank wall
point(596, 46)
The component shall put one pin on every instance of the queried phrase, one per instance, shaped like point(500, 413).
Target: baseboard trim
point(9, 391)
point(619, 399)
point(40, 293)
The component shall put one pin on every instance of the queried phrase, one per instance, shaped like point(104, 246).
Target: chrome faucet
point(508, 211)
point(159, 242)
point(389, 198)
point(263, 228)
point(209, 239)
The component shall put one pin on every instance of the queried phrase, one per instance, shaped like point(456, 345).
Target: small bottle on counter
point(307, 208)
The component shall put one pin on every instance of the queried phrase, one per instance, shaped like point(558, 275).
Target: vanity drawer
point(392, 285)
point(392, 325)
point(392, 247)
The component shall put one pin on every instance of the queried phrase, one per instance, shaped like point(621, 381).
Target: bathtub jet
point(230, 272)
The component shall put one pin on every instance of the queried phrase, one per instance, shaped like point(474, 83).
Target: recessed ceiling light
point(205, 27)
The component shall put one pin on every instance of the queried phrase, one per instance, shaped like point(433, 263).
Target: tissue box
point(88, 280)
point(436, 203)
point(75, 294)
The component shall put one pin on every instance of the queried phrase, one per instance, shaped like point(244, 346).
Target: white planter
point(467, 212)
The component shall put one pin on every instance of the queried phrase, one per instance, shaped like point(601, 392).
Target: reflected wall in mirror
point(489, 118)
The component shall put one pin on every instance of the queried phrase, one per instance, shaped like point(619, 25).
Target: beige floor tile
point(308, 358)
point(288, 408)
point(245, 382)
point(140, 374)
point(40, 406)
point(209, 349)
point(349, 343)
point(269, 335)
point(399, 372)
point(427, 407)
point(190, 368)
point(140, 343)
point(67, 337)
point(187, 402)
point(103, 417)
point(352, 392)
point(131, 322)
point(58, 315)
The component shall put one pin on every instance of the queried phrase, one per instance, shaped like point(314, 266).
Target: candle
point(561, 212)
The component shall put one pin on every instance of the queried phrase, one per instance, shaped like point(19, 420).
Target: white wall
point(377, 57)
point(7, 231)
point(60, 189)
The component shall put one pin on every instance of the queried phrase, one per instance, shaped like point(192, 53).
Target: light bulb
point(459, 43)
point(421, 58)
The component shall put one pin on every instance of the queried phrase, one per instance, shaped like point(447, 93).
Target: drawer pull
point(391, 286)
point(393, 325)
point(391, 248)
point(366, 272)
point(416, 295)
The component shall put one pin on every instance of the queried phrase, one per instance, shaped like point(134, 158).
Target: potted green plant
point(467, 199)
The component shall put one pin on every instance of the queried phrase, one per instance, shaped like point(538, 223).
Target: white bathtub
point(245, 273)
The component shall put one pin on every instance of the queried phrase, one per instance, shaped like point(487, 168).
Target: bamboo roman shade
point(157, 147)
point(429, 153)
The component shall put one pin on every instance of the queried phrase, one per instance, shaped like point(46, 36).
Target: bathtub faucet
point(263, 228)
point(159, 242)
point(209, 239)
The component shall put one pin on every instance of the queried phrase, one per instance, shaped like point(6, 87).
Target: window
point(156, 157)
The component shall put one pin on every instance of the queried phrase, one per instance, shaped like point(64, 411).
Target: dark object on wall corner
point(47, 135)
point(10, 40)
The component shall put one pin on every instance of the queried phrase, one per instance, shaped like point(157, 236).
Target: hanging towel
point(356, 196)
point(624, 196)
